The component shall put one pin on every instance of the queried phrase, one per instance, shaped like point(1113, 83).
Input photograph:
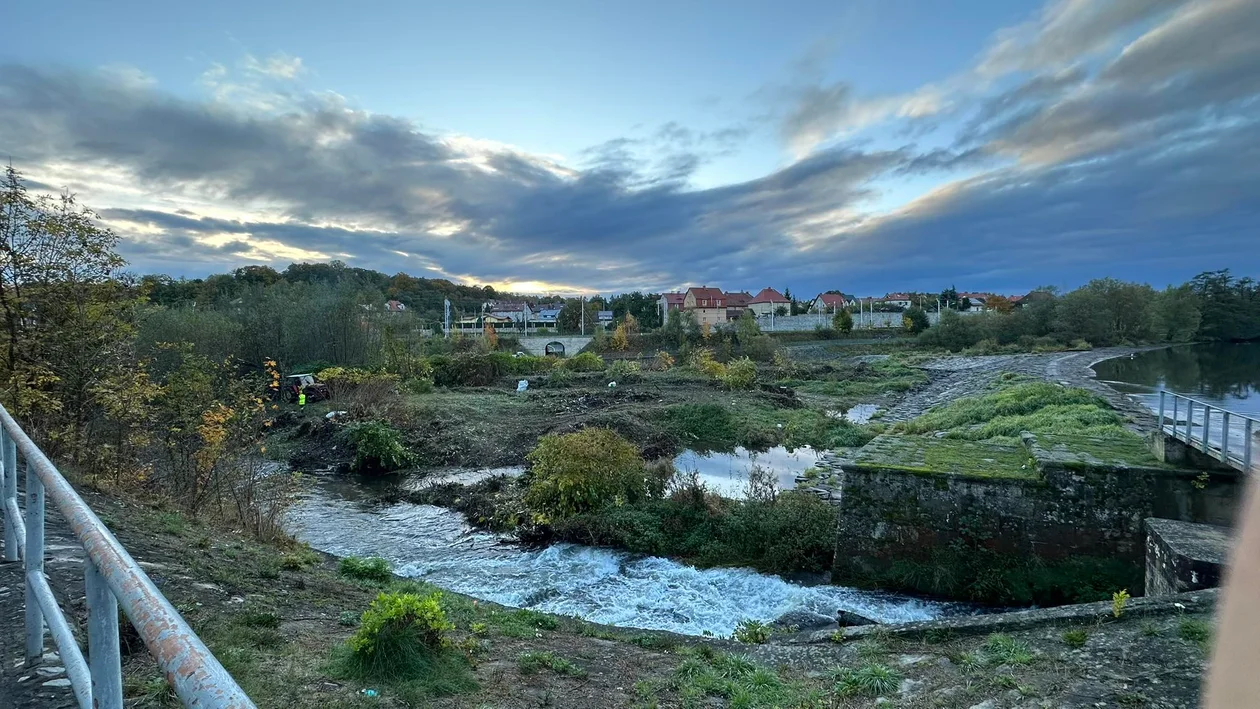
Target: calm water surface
point(1224, 375)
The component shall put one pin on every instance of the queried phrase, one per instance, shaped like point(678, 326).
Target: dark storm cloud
point(1142, 164)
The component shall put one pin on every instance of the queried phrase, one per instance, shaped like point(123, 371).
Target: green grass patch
point(860, 381)
point(869, 680)
point(720, 427)
point(736, 681)
point(533, 662)
point(1004, 650)
point(1015, 406)
point(1196, 631)
point(1075, 638)
point(371, 568)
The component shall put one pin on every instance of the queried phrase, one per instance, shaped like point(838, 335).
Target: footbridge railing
point(111, 579)
point(1225, 435)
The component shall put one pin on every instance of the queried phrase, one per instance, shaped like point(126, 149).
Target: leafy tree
point(914, 320)
point(781, 310)
point(746, 328)
point(570, 319)
point(999, 304)
point(949, 298)
point(842, 321)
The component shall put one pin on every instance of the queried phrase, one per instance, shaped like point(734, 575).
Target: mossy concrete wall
point(1183, 556)
point(1069, 509)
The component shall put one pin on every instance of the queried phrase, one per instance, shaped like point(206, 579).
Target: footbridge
point(1227, 437)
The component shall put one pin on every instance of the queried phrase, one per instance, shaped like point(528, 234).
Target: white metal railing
point(111, 578)
point(1225, 435)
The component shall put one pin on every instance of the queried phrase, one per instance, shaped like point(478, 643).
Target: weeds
point(1005, 650)
point(372, 568)
point(1118, 600)
point(753, 632)
point(1195, 631)
point(533, 662)
point(871, 680)
point(1075, 638)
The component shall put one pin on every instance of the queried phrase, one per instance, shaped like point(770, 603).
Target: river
point(1226, 375)
point(341, 516)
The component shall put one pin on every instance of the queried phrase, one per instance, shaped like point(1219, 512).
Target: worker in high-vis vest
point(301, 400)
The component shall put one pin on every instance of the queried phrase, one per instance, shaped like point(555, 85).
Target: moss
point(947, 456)
point(1124, 449)
point(1015, 406)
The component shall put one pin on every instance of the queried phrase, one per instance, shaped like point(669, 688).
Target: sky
point(863, 145)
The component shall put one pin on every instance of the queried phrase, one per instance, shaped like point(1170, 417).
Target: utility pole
point(525, 314)
point(582, 310)
point(446, 322)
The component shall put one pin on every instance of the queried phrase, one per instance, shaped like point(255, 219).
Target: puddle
point(727, 473)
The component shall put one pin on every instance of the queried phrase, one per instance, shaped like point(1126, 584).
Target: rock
point(986, 704)
point(848, 618)
point(50, 671)
point(909, 687)
point(63, 682)
point(802, 619)
point(883, 702)
point(908, 660)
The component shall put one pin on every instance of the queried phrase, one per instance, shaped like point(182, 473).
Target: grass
point(1196, 631)
point(1004, 650)
point(861, 381)
point(372, 568)
point(1075, 638)
point(871, 680)
point(533, 661)
point(735, 681)
point(1015, 406)
point(172, 523)
point(723, 426)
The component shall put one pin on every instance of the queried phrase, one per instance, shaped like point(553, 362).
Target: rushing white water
point(604, 586)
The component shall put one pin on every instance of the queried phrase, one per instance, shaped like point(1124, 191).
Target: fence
point(111, 578)
point(1230, 441)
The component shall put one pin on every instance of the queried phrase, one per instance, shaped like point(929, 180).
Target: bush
point(752, 632)
point(585, 362)
point(372, 568)
point(583, 471)
point(740, 374)
point(342, 381)
point(623, 369)
point(401, 642)
point(759, 349)
point(663, 361)
point(377, 447)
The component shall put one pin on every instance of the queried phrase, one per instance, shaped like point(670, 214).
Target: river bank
point(274, 614)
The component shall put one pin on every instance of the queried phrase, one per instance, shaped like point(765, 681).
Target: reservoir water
point(1226, 375)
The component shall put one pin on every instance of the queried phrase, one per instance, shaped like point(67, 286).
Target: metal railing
point(111, 578)
point(1225, 435)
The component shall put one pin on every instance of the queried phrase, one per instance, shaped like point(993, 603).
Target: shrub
point(842, 321)
point(740, 374)
point(342, 381)
point(663, 361)
point(1118, 599)
point(401, 641)
point(623, 369)
point(585, 362)
point(372, 568)
point(583, 471)
point(1005, 650)
point(760, 348)
point(702, 361)
point(377, 447)
point(753, 632)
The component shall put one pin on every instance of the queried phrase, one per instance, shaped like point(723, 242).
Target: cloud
point(1134, 157)
point(276, 66)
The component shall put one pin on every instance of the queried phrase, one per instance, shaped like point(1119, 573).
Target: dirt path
point(956, 377)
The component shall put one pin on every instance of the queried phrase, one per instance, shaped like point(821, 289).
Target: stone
point(63, 682)
point(986, 704)
point(52, 671)
point(909, 687)
point(802, 619)
point(848, 618)
point(883, 702)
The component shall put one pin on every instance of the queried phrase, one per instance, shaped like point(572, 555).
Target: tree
point(68, 319)
point(999, 304)
point(570, 317)
point(746, 328)
point(781, 311)
point(1176, 315)
point(843, 321)
point(914, 320)
point(949, 298)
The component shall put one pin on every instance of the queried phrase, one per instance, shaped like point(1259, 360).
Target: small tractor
point(295, 384)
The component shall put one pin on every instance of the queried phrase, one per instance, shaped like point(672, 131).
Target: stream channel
point(342, 515)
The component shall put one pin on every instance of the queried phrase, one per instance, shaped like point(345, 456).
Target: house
point(767, 301)
point(975, 301)
point(545, 318)
point(901, 300)
point(393, 307)
point(669, 302)
point(707, 304)
point(832, 302)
